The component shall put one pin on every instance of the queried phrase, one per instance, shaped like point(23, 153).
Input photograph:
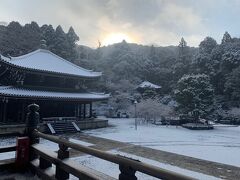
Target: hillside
point(204, 78)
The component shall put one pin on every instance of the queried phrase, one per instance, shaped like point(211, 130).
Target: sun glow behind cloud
point(116, 38)
point(159, 22)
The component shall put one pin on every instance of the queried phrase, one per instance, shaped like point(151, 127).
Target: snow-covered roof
point(147, 84)
point(10, 91)
point(44, 60)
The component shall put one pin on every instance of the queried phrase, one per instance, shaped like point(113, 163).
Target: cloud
point(161, 22)
point(3, 23)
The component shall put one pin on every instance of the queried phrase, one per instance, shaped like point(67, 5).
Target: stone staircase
point(62, 127)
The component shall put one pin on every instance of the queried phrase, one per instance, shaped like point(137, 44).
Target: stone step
point(63, 127)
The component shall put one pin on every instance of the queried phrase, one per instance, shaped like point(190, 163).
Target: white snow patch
point(80, 142)
point(49, 144)
point(219, 145)
point(7, 141)
point(147, 84)
point(7, 155)
point(112, 169)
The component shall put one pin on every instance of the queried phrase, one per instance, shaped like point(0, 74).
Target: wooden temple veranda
point(58, 86)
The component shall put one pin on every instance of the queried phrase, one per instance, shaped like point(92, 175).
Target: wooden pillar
point(84, 111)
point(127, 173)
point(80, 111)
point(1, 111)
point(62, 154)
point(5, 110)
point(44, 163)
point(90, 109)
point(23, 112)
point(75, 110)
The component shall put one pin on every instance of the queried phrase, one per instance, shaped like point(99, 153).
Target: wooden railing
point(64, 166)
point(7, 163)
point(7, 149)
point(41, 159)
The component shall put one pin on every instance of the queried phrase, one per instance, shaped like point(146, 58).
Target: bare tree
point(151, 110)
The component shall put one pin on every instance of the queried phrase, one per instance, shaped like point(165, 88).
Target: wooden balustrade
point(127, 166)
point(42, 159)
point(4, 149)
point(7, 163)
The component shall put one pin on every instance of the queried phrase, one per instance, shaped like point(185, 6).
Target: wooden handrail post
point(44, 164)
point(32, 121)
point(63, 153)
point(127, 173)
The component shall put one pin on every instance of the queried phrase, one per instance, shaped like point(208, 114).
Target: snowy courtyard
point(219, 145)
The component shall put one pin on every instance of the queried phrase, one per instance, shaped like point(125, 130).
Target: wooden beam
point(1, 110)
point(7, 164)
point(84, 111)
point(4, 111)
point(90, 109)
point(78, 170)
point(118, 159)
point(47, 173)
point(23, 111)
point(7, 149)
point(80, 111)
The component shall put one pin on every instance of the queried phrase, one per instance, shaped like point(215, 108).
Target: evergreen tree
point(72, 38)
point(232, 85)
point(194, 92)
point(48, 34)
point(226, 38)
point(31, 37)
point(182, 65)
point(182, 48)
point(207, 45)
point(230, 60)
point(13, 38)
point(60, 44)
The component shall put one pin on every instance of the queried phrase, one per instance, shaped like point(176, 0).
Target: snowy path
point(219, 145)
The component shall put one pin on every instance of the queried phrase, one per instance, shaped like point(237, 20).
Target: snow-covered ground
point(220, 145)
point(112, 169)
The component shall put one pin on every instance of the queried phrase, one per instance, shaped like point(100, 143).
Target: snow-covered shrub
point(151, 110)
point(120, 102)
point(194, 92)
point(234, 112)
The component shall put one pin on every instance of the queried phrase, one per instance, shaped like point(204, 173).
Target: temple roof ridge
point(18, 92)
point(45, 60)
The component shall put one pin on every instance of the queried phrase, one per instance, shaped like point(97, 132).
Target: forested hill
point(16, 39)
point(206, 77)
point(135, 63)
point(122, 61)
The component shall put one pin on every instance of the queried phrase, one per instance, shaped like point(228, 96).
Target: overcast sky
point(160, 22)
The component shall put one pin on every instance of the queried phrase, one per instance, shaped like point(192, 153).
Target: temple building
point(58, 86)
point(146, 85)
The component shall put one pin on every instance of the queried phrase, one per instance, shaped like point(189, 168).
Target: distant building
point(41, 77)
point(146, 85)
